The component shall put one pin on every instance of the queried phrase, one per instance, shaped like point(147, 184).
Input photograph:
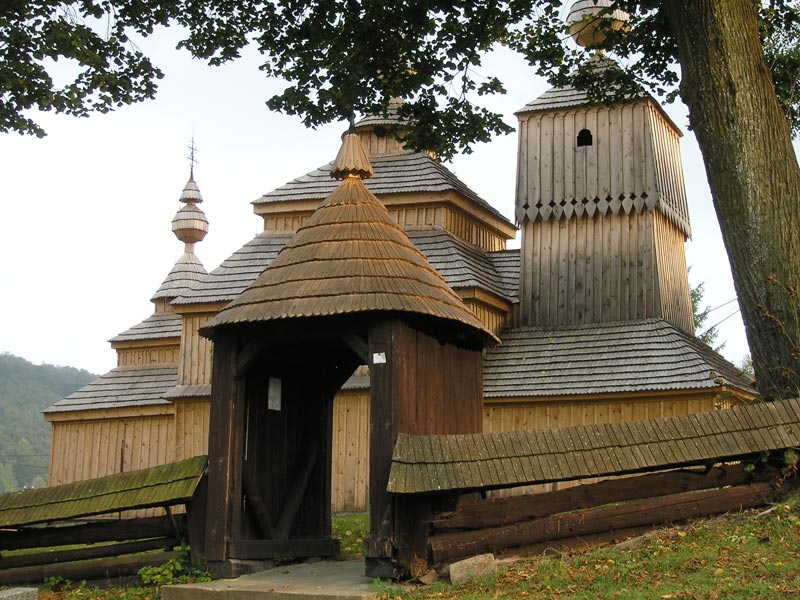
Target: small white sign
point(274, 394)
point(379, 358)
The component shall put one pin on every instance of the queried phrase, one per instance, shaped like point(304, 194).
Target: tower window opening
point(380, 132)
point(584, 138)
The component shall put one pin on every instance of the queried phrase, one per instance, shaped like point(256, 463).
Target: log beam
point(652, 511)
point(504, 511)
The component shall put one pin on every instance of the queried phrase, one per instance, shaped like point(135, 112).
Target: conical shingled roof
point(187, 271)
point(349, 257)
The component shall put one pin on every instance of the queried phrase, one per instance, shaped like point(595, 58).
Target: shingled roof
point(563, 97)
point(634, 356)
point(349, 257)
point(163, 485)
point(237, 271)
point(495, 460)
point(394, 174)
point(461, 264)
point(122, 387)
point(156, 326)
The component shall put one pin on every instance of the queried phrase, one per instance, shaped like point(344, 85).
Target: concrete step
point(326, 580)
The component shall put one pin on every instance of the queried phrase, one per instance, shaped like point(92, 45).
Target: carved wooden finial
point(352, 160)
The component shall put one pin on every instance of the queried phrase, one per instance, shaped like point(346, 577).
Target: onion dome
point(190, 224)
point(390, 119)
point(589, 20)
point(349, 257)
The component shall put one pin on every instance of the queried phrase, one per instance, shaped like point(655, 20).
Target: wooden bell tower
point(349, 289)
point(602, 207)
point(601, 203)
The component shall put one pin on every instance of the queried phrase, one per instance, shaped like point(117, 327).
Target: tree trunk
point(753, 173)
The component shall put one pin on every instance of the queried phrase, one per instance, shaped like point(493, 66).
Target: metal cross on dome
point(192, 160)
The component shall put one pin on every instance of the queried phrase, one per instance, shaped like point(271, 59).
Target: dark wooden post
point(225, 454)
point(382, 435)
point(419, 385)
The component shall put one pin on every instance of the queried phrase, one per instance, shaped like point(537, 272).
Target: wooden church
point(592, 313)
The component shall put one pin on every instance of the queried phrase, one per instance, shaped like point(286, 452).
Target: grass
point(351, 530)
point(753, 556)
point(750, 556)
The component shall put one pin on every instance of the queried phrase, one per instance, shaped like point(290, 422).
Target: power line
point(710, 310)
point(718, 323)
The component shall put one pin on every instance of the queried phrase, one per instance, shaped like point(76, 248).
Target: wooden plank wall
point(147, 356)
point(86, 449)
point(618, 163)
point(584, 270)
point(440, 215)
point(196, 357)
point(375, 145)
point(350, 435)
point(284, 222)
point(493, 319)
point(676, 306)
point(668, 162)
point(191, 428)
point(350, 469)
point(536, 414)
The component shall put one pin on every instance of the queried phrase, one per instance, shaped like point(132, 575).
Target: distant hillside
point(25, 390)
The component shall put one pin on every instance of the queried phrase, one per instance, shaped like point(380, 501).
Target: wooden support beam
point(174, 523)
point(88, 553)
point(248, 356)
point(412, 527)
point(503, 511)
point(90, 533)
point(225, 450)
point(95, 569)
point(652, 511)
point(256, 505)
point(196, 514)
point(357, 344)
point(295, 495)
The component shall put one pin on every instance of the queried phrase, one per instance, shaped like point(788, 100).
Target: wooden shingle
point(322, 272)
point(163, 485)
point(534, 457)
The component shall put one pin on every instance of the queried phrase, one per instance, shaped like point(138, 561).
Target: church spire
point(190, 226)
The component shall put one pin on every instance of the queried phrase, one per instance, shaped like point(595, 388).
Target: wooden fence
point(664, 470)
point(76, 538)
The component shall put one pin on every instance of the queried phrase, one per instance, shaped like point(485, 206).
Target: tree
point(700, 316)
point(90, 35)
point(341, 57)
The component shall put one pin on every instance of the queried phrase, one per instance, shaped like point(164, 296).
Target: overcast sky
point(85, 233)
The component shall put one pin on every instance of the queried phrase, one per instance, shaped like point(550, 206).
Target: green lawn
point(750, 556)
point(755, 555)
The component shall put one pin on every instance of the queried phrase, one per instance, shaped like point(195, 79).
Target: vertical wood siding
point(676, 305)
point(493, 319)
point(291, 222)
point(95, 448)
point(191, 428)
point(350, 476)
point(617, 168)
point(92, 448)
point(533, 414)
point(581, 271)
point(196, 359)
point(147, 356)
point(377, 146)
point(455, 222)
